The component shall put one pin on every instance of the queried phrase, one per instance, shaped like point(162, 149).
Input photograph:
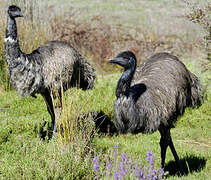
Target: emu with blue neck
point(48, 70)
point(151, 96)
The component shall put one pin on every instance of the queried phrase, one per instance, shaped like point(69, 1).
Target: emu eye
point(126, 59)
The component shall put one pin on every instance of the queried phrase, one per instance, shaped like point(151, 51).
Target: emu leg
point(49, 104)
point(164, 142)
point(176, 157)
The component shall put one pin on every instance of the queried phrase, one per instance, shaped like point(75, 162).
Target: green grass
point(24, 154)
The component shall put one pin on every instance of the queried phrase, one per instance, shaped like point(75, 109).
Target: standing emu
point(152, 96)
point(48, 70)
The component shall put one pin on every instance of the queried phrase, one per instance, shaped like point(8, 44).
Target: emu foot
point(46, 131)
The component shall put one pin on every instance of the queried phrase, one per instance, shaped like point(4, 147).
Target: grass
point(145, 29)
point(22, 151)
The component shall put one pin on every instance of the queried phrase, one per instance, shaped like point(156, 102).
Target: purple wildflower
point(115, 169)
point(154, 171)
point(121, 170)
point(154, 174)
point(124, 157)
point(140, 175)
point(109, 166)
point(149, 176)
point(161, 173)
point(116, 175)
point(115, 155)
point(150, 158)
point(96, 164)
point(137, 172)
point(115, 151)
point(123, 165)
point(116, 146)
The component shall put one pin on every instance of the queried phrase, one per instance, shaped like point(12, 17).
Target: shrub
point(201, 15)
point(100, 41)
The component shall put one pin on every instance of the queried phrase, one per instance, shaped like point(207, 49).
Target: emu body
point(48, 70)
point(152, 96)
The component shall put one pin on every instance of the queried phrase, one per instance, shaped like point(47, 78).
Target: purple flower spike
point(116, 176)
point(149, 176)
point(124, 157)
point(161, 172)
point(149, 156)
point(137, 172)
point(149, 153)
point(122, 168)
point(115, 154)
point(96, 164)
point(116, 146)
point(109, 166)
point(154, 171)
point(141, 175)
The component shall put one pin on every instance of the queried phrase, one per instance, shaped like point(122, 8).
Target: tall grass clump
point(76, 127)
point(76, 122)
point(71, 127)
point(76, 130)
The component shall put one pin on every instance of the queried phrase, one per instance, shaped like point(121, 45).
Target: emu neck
point(12, 49)
point(11, 30)
point(123, 87)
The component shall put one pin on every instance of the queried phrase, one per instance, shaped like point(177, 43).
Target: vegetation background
point(99, 29)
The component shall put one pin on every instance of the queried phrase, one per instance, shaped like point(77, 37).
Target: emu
point(48, 70)
point(152, 96)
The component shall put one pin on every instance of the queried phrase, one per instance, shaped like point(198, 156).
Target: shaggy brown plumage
point(152, 96)
point(51, 68)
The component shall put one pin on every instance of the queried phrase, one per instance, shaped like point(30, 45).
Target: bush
point(201, 15)
point(100, 41)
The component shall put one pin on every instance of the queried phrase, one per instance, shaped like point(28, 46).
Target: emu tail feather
point(197, 91)
point(87, 75)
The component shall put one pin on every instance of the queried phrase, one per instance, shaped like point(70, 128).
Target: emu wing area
point(168, 90)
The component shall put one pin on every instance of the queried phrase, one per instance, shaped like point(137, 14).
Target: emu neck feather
point(123, 87)
point(12, 49)
point(11, 30)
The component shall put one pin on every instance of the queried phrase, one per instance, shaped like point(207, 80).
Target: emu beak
point(21, 15)
point(120, 61)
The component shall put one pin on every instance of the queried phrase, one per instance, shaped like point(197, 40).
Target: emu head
point(126, 59)
point(14, 11)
